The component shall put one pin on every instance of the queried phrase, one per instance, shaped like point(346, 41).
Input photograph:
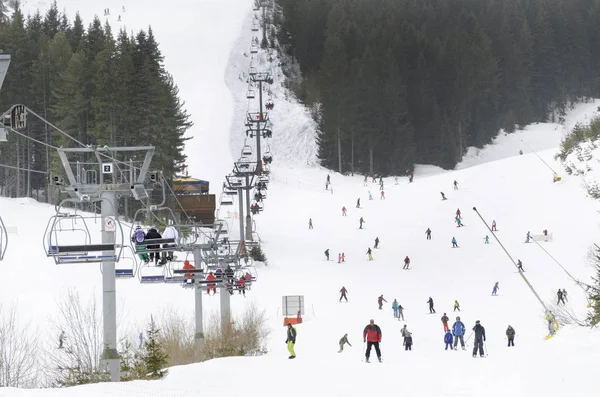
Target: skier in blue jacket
point(395, 308)
point(458, 330)
point(448, 340)
point(454, 243)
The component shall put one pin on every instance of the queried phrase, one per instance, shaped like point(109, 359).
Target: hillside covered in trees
point(101, 89)
point(400, 82)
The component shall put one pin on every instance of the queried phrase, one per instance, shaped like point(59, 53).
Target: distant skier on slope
point(380, 301)
point(430, 302)
point(411, 177)
point(445, 322)
point(372, 336)
point(339, 257)
point(486, 239)
point(479, 339)
point(510, 334)
point(455, 185)
point(344, 211)
point(376, 242)
point(428, 233)
point(310, 224)
point(520, 265)
point(361, 221)
point(370, 195)
point(454, 243)
point(343, 341)
point(327, 253)
point(382, 195)
point(458, 222)
point(559, 294)
point(408, 342)
point(400, 312)
point(406, 263)
point(564, 291)
point(456, 305)
point(343, 293)
point(528, 237)
point(458, 215)
point(494, 226)
point(496, 288)
point(369, 254)
point(443, 196)
point(358, 203)
point(395, 308)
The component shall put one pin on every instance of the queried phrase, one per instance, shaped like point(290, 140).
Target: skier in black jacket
point(479, 338)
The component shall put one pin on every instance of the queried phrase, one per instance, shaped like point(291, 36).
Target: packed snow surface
point(515, 190)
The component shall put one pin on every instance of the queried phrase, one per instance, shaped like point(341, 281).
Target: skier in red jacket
point(372, 335)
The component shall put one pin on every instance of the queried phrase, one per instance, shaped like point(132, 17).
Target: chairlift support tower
point(261, 118)
point(110, 184)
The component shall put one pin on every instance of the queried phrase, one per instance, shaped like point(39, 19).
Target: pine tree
point(594, 290)
point(154, 357)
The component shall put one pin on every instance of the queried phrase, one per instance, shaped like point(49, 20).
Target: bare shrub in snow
point(18, 351)
point(566, 316)
point(243, 337)
point(79, 326)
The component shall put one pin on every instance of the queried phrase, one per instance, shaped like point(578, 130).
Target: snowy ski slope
point(516, 191)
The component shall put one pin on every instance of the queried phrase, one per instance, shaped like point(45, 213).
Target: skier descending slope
point(445, 322)
point(454, 243)
point(443, 196)
point(327, 253)
point(431, 309)
point(343, 341)
point(372, 336)
point(494, 226)
point(343, 293)
point(458, 330)
point(376, 242)
point(479, 339)
point(428, 233)
point(486, 239)
point(369, 254)
point(406, 263)
point(496, 288)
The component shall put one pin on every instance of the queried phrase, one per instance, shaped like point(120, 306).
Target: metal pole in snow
point(546, 164)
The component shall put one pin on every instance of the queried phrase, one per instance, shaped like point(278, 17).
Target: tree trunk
point(371, 160)
point(339, 148)
point(352, 153)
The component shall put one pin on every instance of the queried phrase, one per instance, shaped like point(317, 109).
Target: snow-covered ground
point(516, 191)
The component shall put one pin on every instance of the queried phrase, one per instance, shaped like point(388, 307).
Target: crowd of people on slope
point(372, 332)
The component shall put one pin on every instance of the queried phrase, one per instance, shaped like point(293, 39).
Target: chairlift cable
point(23, 169)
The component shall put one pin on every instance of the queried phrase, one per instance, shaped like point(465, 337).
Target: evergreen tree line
point(401, 82)
point(100, 89)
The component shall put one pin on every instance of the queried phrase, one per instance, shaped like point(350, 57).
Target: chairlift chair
point(3, 239)
point(255, 26)
point(156, 245)
point(55, 244)
point(250, 94)
point(226, 199)
point(253, 49)
point(246, 150)
point(3, 134)
point(128, 265)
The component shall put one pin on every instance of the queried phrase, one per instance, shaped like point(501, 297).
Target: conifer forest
point(404, 82)
point(101, 87)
